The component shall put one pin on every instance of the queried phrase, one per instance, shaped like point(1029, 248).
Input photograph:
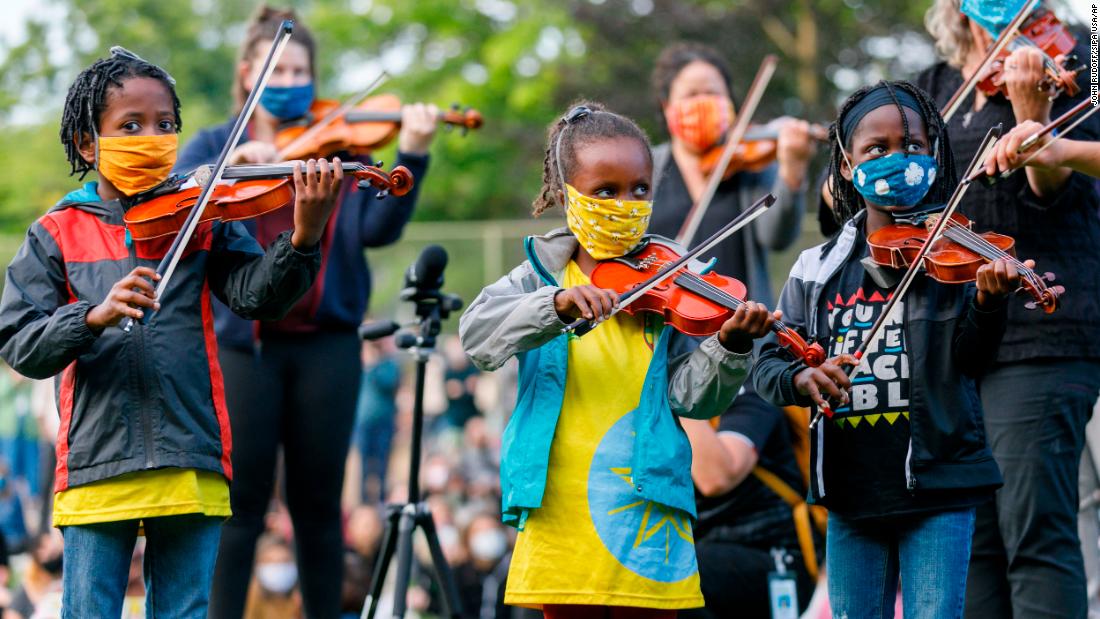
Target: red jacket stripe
point(65, 407)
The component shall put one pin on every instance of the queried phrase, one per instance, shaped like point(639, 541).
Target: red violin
point(691, 303)
point(954, 258)
point(253, 191)
point(1043, 31)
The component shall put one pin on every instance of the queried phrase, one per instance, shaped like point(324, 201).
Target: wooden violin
point(1043, 31)
point(954, 257)
point(691, 303)
point(252, 191)
point(757, 150)
point(359, 130)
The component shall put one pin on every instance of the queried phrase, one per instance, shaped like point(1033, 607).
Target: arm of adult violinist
point(514, 314)
point(255, 284)
point(41, 329)
point(381, 222)
point(1082, 156)
point(781, 224)
point(1023, 72)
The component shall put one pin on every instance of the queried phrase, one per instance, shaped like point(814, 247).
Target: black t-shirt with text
point(867, 441)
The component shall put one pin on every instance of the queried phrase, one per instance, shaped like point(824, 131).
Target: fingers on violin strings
point(299, 182)
point(337, 171)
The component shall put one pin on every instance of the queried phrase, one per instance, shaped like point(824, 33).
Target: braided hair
point(846, 199)
point(586, 122)
point(87, 100)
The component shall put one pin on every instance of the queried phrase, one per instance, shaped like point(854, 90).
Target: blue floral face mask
point(896, 179)
point(287, 102)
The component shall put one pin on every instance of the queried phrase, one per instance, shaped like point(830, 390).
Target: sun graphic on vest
point(648, 538)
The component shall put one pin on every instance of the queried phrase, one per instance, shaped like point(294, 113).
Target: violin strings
point(732, 301)
point(994, 251)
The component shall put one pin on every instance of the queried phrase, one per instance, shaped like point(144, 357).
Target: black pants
point(300, 393)
point(734, 563)
point(1026, 561)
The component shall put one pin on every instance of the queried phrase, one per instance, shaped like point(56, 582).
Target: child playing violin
point(903, 463)
point(292, 383)
point(596, 471)
point(144, 440)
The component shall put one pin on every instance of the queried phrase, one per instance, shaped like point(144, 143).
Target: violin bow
point(583, 325)
point(168, 264)
point(339, 111)
point(736, 135)
point(1002, 42)
point(1034, 138)
point(980, 156)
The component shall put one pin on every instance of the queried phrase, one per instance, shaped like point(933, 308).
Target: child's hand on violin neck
point(588, 302)
point(750, 321)
point(997, 280)
point(126, 298)
point(316, 187)
point(826, 382)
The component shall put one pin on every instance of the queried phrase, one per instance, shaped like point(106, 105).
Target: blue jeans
point(179, 566)
point(929, 553)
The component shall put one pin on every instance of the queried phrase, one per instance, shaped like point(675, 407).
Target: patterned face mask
point(894, 180)
point(606, 228)
point(700, 121)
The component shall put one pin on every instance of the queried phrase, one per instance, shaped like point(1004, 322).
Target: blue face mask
point(287, 102)
point(896, 179)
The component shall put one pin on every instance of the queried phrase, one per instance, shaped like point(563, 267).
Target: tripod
point(404, 518)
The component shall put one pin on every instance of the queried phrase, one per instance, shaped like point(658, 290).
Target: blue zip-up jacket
point(515, 317)
point(339, 297)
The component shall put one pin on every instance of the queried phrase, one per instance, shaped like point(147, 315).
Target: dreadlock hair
point(87, 99)
point(847, 201)
point(262, 28)
point(586, 122)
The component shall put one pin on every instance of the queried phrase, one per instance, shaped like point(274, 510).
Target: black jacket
point(153, 397)
point(950, 344)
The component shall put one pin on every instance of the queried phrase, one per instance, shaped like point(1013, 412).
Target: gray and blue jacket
point(515, 316)
point(153, 397)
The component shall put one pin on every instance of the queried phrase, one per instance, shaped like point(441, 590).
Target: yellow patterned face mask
point(607, 228)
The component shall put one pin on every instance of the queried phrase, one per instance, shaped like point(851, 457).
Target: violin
point(359, 131)
point(757, 150)
point(954, 257)
point(1042, 30)
point(692, 303)
point(253, 190)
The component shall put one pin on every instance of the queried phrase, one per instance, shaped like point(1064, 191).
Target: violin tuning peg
point(1048, 277)
point(382, 194)
point(1031, 305)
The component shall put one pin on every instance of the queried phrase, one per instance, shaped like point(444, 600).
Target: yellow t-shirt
point(593, 541)
point(143, 494)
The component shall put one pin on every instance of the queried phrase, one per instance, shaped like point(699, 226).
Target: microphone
point(377, 329)
point(426, 274)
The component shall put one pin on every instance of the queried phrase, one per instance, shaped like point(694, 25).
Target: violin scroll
point(812, 355)
point(398, 181)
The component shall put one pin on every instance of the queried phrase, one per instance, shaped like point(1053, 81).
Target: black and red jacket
point(154, 397)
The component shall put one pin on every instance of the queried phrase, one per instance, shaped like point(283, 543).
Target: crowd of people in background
point(465, 414)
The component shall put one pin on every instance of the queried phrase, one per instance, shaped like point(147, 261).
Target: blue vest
point(661, 459)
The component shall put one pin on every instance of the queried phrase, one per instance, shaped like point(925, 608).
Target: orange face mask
point(700, 121)
point(134, 163)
